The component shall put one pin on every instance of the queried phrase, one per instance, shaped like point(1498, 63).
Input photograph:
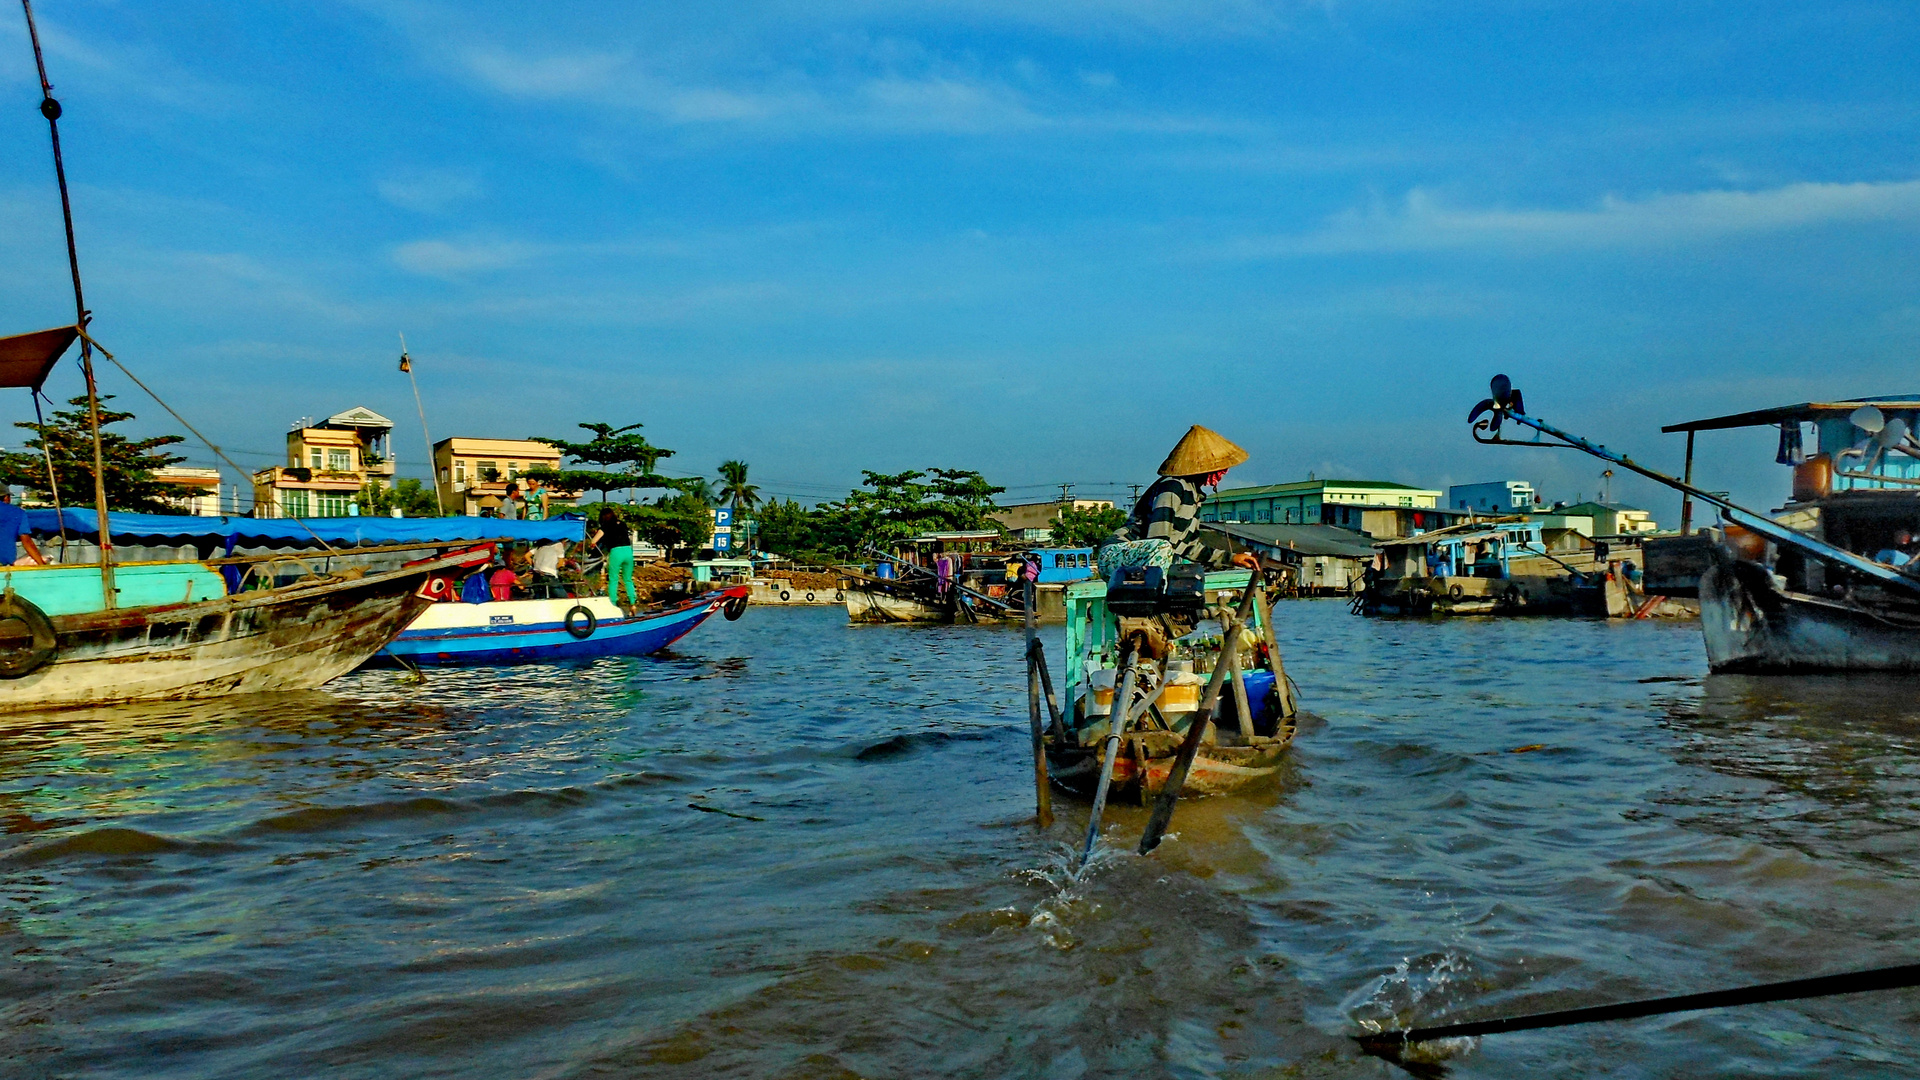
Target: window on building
point(331, 503)
point(513, 470)
point(340, 460)
point(313, 462)
point(1265, 516)
point(459, 472)
point(443, 479)
point(1406, 500)
point(482, 468)
point(294, 504)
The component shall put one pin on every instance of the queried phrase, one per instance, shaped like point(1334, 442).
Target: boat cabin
point(1855, 484)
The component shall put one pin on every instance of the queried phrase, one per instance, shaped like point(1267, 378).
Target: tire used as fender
point(734, 608)
point(785, 595)
point(809, 598)
point(1455, 591)
point(14, 665)
point(581, 632)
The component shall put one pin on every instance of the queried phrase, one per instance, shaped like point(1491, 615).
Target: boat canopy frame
point(1090, 626)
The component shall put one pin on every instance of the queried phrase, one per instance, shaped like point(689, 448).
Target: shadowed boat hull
point(1751, 626)
point(292, 638)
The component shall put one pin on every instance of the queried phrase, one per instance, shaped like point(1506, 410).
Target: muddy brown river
point(795, 848)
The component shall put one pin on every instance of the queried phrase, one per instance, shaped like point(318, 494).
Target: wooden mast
point(51, 110)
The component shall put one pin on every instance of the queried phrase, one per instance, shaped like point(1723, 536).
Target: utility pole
point(1066, 494)
point(433, 470)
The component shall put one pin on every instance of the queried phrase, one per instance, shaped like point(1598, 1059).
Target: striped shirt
point(1170, 511)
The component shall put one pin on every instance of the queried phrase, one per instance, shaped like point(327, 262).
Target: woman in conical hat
point(1170, 509)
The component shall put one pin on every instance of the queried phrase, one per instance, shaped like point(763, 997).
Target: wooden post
point(1196, 730)
point(1042, 796)
point(1288, 707)
point(1686, 500)
point(1235, 673)
point(1116, 721)
point(1046, 688)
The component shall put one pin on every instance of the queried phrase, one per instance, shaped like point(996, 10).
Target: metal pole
point(1686, 500)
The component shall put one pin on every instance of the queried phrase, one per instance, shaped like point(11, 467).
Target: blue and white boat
point(535, 631)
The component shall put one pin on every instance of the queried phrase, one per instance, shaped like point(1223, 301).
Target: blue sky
point(1034, 239)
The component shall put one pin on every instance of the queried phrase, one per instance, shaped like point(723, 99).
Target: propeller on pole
point(1505, 400)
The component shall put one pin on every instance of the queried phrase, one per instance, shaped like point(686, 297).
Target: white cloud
point(429, 191)
point(1423, 221)
point(456, 258)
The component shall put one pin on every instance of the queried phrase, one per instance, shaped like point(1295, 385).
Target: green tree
point(129, 463)
point(734, 489)
point(413, 498)
point(627, 462)
point(899, 505)
point(1074, 527)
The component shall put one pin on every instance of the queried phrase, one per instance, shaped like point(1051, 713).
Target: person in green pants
point(614, 538)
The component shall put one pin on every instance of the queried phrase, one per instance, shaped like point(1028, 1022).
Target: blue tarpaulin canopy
point(175, 529)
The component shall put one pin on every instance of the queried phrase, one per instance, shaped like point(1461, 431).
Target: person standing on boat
point(536, 500)
point(616, 539)
point(510, 508)
point(1165, 524)
point(13, 526)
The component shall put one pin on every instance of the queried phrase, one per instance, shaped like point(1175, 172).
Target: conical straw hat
point(1201, 451)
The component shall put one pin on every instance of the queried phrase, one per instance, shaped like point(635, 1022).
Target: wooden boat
point(1229, 758)
point(144, 631)
point(60, 647)
point(1523, 568)
point(453, 632)
point(1800, 592)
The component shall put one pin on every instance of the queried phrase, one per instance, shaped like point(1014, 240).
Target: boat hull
point(1145, 760)
point(869, 606)
point(535, 631)
point(1751, 626)
point(294, 638)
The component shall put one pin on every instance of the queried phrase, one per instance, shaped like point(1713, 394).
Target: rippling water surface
point(796, 848)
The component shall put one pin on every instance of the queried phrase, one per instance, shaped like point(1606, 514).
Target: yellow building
point(474, 473)
point(327, 464)
point(200, 489)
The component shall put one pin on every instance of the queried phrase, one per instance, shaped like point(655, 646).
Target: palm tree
point(741, 495)
point(734, 489)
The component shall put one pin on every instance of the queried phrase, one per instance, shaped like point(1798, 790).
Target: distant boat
point(1513, 566)
point(536, 631)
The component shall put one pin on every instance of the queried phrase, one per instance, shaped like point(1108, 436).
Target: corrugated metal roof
point(1806, 410)
point(1305, 539)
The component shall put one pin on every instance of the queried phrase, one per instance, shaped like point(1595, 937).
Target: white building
point(1494, 497)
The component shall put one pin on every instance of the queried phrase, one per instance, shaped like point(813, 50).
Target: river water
point(795, 848)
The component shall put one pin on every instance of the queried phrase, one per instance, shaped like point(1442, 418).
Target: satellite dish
point(1868, 419)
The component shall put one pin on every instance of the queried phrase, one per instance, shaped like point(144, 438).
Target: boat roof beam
point(1806, 410)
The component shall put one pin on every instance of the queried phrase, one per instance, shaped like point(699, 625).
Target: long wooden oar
point(1116, 728)
point(1042, 796)
point(1196, 730)
point(1386, 1043)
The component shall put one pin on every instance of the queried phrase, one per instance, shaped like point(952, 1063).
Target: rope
point(53, 485)
point(219, 453)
